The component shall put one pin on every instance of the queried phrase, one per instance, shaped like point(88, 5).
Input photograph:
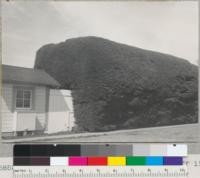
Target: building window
point(23, 99)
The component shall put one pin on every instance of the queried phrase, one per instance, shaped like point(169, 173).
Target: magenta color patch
point(77, 161)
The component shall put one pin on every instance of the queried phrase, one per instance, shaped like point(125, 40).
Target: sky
point(167, 27)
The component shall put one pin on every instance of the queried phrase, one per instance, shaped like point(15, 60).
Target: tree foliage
point(116, 86)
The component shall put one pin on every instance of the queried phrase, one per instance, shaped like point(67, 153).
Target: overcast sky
point(168, 27)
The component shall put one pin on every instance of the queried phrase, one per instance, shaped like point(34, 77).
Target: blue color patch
point(154, 160)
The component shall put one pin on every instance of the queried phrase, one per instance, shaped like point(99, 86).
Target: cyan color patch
point(154, 160)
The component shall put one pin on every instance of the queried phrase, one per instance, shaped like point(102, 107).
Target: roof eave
point(31, 83)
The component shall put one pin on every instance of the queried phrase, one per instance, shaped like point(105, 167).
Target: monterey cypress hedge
point(116, 86)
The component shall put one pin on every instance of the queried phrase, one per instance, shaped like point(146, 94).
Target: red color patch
point(97, 161)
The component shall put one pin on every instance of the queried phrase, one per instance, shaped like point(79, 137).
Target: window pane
point(27, 104)
point(19, 93)
point(27, 94)
point(23, 98)
point(19, 103)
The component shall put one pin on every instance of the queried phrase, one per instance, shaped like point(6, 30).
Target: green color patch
point(136, 160)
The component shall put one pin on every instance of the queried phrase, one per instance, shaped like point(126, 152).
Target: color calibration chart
point(84, 161)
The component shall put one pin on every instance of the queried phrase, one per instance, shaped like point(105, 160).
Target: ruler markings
point(96, 172)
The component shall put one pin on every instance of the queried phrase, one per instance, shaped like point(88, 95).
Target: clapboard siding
point(40, 106)
point(60, 115)
point(7, 108)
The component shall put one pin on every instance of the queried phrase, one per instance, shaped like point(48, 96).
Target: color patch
point(177, 150)
point(106, 150)
point(116, 161)
point(121, 150)
point(77, 161)
point(89, 150)
point(158, 150)
point(21, 161)
point(141, 150)
point(46, 150)
point(135, 160)
point(173, 160)
point(40, 161)
point(97, 161)
point(59, 161)
point(154, 160)
point(22, 150)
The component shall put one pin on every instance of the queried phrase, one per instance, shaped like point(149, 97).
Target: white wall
point(7, 108)
point(60, 115)
point(40, 107)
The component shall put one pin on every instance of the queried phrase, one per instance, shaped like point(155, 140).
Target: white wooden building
point(33, 103)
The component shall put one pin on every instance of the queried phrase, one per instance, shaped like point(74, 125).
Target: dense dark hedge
point(117, 86)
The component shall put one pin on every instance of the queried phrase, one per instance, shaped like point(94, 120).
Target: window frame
point(24, 89)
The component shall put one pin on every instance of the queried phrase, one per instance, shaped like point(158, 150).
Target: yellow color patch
point(116, 161)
